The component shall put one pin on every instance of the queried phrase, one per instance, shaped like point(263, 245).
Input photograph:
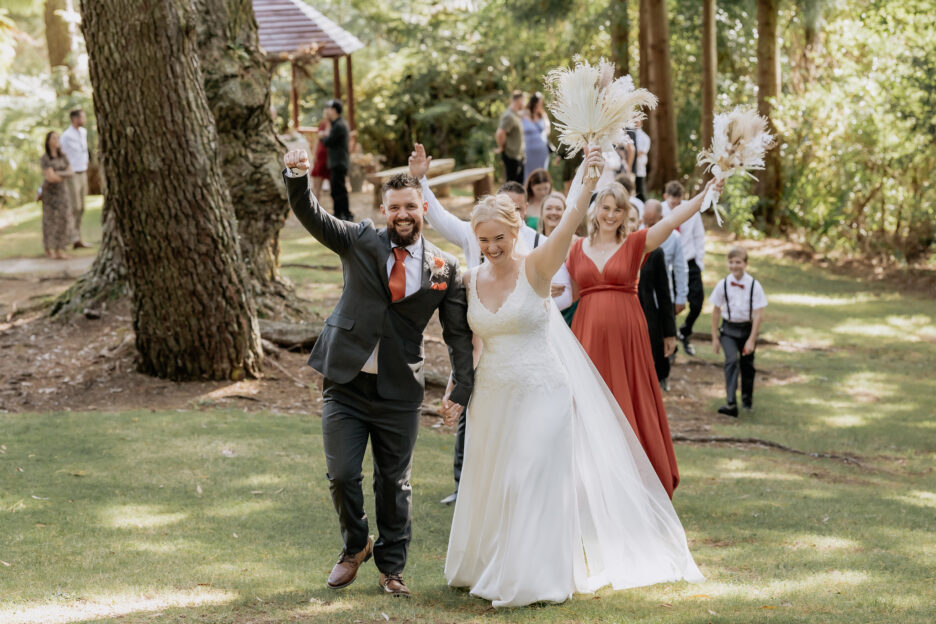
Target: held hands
point(419, 162)
point(556, 289)
point(297, 159)
point(678, 308)
point(450, 410)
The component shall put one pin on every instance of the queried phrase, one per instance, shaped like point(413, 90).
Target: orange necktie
point(398, 274)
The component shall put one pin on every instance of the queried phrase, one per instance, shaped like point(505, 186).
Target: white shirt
point(642, 144)
point(693, 240)
point(739, 300)
point(412, 264)
point(75, 147)
point(637, 203)
point(677, 273)
point(459, 232)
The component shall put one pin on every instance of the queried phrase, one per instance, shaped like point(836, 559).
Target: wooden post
point(294, 96)
point(350, 81)
point(336, 78)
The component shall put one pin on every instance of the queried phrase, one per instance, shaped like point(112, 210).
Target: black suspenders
point(750, 301)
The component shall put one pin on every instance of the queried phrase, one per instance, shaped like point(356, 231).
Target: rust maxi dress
point(611, 326)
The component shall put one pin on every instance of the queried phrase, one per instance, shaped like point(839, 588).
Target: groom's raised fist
point(297, 159)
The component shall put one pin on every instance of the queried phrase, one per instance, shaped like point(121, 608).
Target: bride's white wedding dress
point(556, 493)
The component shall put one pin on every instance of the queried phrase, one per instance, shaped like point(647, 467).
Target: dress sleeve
point(44, 162)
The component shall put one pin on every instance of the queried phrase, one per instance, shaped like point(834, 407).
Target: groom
point(370, 352)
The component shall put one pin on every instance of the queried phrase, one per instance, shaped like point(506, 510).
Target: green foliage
point(858, 173)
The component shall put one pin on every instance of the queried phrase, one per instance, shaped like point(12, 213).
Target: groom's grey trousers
point(353, 413)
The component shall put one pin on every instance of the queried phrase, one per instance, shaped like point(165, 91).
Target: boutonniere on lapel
point(438, 270)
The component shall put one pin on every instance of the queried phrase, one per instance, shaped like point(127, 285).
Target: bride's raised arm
point(545, 260)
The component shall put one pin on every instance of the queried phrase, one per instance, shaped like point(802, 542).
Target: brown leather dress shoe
point(345, 571)
point(393, 584)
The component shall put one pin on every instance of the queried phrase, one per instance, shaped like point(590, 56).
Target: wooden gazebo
point(293, 31)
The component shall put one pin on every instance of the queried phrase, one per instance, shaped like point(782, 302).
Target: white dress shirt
point(677, 272)
point(74, 143)
point(642, 145)
point(739, 298)
point(693, 240)
point(412, 265)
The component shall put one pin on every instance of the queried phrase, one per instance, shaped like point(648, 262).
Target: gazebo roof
point(289, 26)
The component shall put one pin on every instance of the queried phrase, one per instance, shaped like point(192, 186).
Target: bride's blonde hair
point(496, 208)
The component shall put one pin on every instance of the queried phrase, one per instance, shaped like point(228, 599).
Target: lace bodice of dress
point(515, 348)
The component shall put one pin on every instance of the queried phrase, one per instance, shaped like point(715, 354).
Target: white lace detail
point(514, 338)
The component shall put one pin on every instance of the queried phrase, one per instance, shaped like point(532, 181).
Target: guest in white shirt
point(739, 299)
point(75, 147)
point(642, 145)
point(692, 233)
point(677, 274)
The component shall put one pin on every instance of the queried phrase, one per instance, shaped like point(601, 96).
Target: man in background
point(509, 137)
point(75, 147)
point(336, 138)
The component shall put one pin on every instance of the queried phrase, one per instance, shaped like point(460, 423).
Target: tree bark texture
point(709, 71)
point(769, 186)
point(107, 277)
point(59, 41)
point(237, 85)
point(664, 149)
point(620, 37)
point(192, 311)
point(643, 67)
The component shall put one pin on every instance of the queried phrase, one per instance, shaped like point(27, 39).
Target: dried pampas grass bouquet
point(591, 107)
point(739, 143)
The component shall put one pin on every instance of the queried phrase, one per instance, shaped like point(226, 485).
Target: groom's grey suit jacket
point(366, 313)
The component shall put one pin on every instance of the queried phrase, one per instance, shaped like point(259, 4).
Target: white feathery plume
point(739, 142)
point(591, 107)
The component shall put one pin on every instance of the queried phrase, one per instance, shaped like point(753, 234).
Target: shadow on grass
point(132, 539)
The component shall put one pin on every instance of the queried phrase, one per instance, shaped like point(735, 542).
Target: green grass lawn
point(224, 516)
point(21, 230)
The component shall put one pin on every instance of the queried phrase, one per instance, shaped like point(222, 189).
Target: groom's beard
point(405, 241)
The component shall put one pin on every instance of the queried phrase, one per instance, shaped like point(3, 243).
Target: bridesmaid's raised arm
point(658, 234)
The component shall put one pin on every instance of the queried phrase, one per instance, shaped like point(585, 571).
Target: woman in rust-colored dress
point(609, 322)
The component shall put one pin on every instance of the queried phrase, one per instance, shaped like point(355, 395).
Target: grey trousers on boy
point(732, 338)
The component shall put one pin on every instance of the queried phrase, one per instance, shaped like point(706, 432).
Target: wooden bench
point(481, 180)
point(436, 168)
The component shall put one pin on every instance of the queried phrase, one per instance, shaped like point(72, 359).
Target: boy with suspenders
point(740, 299)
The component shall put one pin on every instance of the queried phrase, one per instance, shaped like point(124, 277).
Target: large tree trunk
point(237, 85)
point(59, 42)
point(620, 33)
point(664, 148)
point(709, 70)
point(643, 67)
point(769, 187)
point(192, 311)
point(107, 277)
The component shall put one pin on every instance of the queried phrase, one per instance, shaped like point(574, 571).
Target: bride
point(556, 495)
